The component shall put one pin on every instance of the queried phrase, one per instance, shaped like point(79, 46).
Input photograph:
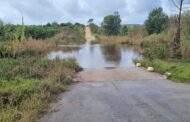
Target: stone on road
point(132, 100)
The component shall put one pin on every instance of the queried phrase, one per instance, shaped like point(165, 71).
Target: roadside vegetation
point(179, 69)
point(158, 38)
point(161, 51)
point(28, 80)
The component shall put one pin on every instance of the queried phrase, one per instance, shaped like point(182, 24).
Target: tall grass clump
point(27, 47)
point(114, 39)
point(158, 45)
point(28, 84)
point(185, 45)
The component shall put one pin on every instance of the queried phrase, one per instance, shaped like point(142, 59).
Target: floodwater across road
point(99, 56)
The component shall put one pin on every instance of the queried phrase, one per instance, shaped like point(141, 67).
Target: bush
point(33, 67)
point(160, 51)
point(28, 84)
point(111, 24)
point(69, 36)
point(185, 45)
point(156, 22)
point(158, 45)
point(23, 99)
point(124, 30)
point(41, 32)
point(94, 28)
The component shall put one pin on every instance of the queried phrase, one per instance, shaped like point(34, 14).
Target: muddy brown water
point(99, 56)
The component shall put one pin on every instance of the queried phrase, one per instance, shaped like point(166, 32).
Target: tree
point(22, 30)
point(1, 22)
point(156, 21)
point(48, 24)
point(55, 23)
point(179, 5)
point(90, 21)
point(111, 24)
point(1, 27)
point(124, 30)
point(94, 28)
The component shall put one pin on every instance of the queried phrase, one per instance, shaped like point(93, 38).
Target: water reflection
point(97, 56)
point(111, 53)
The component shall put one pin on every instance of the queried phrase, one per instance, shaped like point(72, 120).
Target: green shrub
point(185, 45)
point(156, 46)
point(160, 51)
point(94, 28)
point(111, 24)
point(156, 21)
point(23, 100)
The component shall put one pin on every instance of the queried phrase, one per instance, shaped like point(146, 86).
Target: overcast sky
point(43, 11)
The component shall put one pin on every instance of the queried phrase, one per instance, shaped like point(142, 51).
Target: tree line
point(9, 32)
point(157, 22)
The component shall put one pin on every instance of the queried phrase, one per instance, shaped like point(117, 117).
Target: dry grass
point(28, 47)
point(40, 45)
point(135, 40)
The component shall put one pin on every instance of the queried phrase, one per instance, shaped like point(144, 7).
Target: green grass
point(23, 99)
point(180, 69)
point(27, 85)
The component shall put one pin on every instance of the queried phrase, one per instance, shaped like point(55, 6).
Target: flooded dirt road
point(100, 56)
point(89, 37)
point(112, 89)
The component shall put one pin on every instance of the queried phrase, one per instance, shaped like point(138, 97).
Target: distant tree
point(68, 24)
point(22, 36)
point(79, 25)
point(48, 24)
point(1, 22)
point(179, 5)
point(62, 24)
point(156, 21)
point(111, 24)
point(55, 23)
point(90, 21)
point(94, 28)
point(1, 27)
point(124, 30)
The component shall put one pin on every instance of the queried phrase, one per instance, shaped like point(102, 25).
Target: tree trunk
point(176, 44)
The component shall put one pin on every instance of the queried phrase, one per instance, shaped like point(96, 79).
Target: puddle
point(98, 56)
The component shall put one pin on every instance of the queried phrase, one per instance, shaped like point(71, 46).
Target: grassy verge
point(28, 84)
point(179, 69)
point(28, 80)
